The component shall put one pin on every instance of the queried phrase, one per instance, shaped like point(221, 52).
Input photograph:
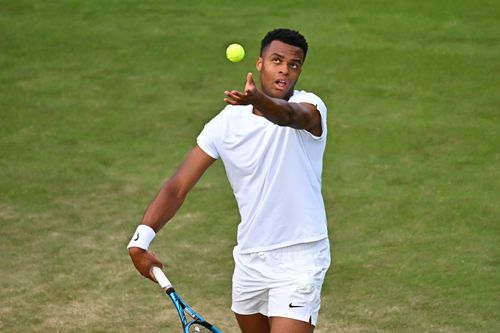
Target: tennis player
point(271, 139)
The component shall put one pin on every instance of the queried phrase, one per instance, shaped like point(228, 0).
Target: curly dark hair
point(287, 36)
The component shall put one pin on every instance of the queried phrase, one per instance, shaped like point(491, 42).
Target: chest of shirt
point(251, 141)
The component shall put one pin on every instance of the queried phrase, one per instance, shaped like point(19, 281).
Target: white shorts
point(284, 282)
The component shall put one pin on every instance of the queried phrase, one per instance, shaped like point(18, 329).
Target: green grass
point(101, 100)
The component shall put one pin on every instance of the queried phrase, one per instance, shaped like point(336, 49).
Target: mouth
point(281, 84)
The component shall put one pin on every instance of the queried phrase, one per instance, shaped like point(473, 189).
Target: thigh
point(254, 323)
point(250, 290)
point(302, 271)
point(287, 325)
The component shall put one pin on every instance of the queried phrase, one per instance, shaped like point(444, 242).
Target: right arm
point(168, 201)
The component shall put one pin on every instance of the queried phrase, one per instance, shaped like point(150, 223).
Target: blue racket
point(197, 324)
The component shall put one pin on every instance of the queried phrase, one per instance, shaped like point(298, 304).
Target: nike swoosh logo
point(136, 237)
point(295, 306)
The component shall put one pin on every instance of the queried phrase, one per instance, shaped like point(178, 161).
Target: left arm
point(279, 111)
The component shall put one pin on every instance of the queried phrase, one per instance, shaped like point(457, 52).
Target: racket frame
point(180, 305)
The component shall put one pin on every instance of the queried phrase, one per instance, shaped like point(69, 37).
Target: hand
point(250, 95)
point(144, 261)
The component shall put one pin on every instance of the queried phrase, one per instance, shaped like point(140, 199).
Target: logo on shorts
point(295, 306)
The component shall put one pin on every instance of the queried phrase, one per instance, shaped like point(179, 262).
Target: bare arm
point(168, 201)
point(279, 111)
point(175, 190)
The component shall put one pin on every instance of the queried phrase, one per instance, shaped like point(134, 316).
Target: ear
point(258, 64)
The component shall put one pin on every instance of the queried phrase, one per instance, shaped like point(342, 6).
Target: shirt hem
point(279, 245)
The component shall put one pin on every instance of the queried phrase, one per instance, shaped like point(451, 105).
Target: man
point(271, 139)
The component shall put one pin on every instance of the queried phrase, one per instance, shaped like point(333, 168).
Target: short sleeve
point(207, 139)
point(306, 97)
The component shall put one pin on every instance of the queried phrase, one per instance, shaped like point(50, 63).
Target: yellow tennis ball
point(235, 52)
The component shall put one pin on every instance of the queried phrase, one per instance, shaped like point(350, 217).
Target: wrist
point(135, 250)
point(142, 237)
point(258, 98)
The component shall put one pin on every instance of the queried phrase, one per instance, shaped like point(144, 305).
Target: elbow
point(294, 116)
point(290, 119)
point(175, 190)
point(287, 118)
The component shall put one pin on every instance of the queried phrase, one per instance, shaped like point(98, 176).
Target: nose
point(284, 68)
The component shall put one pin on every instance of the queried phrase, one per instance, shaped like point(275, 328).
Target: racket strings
point(197, 328)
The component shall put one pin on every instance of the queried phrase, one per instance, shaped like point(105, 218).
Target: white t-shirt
point(275, 174)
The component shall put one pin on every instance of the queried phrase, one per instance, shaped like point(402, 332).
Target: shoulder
point(227, 115)
point(302, 96)
point(221, 116)
point(232, 111)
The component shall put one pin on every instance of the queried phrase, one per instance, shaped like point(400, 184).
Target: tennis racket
point(197, 324)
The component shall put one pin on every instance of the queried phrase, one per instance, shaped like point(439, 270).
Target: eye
point(294, 65)
point(276, 60)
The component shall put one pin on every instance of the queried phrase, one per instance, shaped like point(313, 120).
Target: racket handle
point(161, 278)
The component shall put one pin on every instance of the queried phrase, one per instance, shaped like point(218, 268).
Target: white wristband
point(143, 236)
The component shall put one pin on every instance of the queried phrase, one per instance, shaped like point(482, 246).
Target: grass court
point(101, 100)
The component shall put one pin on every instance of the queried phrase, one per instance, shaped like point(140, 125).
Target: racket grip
point(161, 278)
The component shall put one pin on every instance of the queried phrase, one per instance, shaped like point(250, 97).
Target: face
point(280, 66)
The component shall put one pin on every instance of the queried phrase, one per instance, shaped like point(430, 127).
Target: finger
point(232, 92)
point(230, 101)
point(250, 78)
point(148, 260)
point(238, 94)
point(150, 274)
point(229, 94)
point(154, 260)
point(235, 95)
point(250, 85)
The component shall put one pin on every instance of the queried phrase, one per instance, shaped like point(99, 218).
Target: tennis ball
point(235, 52)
